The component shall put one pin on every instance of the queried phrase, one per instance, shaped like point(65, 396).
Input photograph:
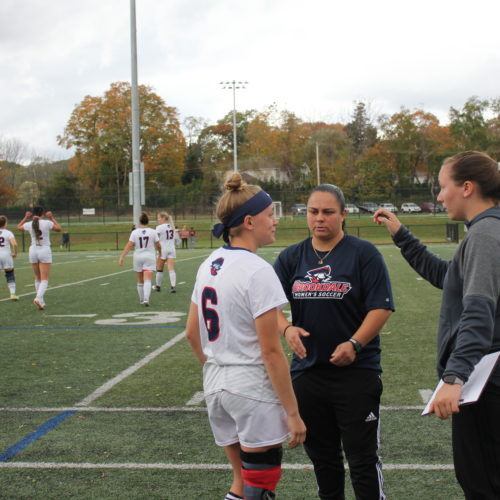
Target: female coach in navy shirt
point(340, 295)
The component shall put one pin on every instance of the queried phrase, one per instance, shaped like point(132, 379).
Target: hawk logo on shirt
point(318, 284)
point(216, 265)
point(143, 231)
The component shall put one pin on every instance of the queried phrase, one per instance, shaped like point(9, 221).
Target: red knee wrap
point(266, 479)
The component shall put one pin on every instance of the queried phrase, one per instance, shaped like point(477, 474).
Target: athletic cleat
point(38, 303)
point(157, 288)
point(14, 297)
point(146, 303)
point(172, 289)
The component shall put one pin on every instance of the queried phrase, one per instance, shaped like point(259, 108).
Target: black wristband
point(357, 345)
point(286, 328)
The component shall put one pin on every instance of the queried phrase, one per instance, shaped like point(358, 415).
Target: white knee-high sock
point(37, 285)
point(41, 289)
point(140, 291)
point(173, 277)
point(159, 278)
point(147, 290)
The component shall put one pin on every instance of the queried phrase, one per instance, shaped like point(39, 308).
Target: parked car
point(431, 207)
point(351, 208)
point(299, 209)
point(369, 207)
point(410, 208)
point(389, 207)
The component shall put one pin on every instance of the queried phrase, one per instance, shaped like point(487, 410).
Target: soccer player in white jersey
point(232, 328)
point(166, 233)
point(144, 240)
point(40, 253)
point(8, 252)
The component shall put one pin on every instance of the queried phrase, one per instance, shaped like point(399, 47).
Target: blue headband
point(253, 206)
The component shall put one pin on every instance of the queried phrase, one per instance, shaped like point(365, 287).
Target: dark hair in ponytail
point(37, 213)
point(476, 167)
point(144, 219)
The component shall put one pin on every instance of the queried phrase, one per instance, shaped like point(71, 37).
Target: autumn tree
point(99, 130)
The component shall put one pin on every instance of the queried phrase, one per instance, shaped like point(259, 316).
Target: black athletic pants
point(476, 446)
point(340, 407)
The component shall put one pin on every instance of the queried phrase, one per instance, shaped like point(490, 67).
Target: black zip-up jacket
point(469, 320)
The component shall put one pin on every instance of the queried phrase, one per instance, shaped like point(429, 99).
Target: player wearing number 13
point(233, 330)
point(145, 240)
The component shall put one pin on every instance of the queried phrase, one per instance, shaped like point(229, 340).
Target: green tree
point(360, 130)
point(468, 125)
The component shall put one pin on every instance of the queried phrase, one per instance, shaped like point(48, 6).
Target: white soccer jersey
point(233, 288)
point(144, 239)
point(5, 237)
point(165, 233)
point(45, 228)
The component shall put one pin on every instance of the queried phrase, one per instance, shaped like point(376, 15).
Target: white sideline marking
point(92, 279)
point(110, 410)
point(168, 466)
point(197, 398)
point(125, 373)
point(156, 408)
point(425, 394)
point(72, 315)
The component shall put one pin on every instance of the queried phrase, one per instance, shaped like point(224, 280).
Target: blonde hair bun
point(234, 182)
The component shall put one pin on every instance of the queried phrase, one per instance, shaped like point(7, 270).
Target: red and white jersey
point(144, 239)
point(5, 237)
point(45, 227)
point(234, 287)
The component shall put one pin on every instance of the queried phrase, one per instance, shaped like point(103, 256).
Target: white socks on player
point(37, 286)
point(147, 290)
point(173, 278)
point(140, 291)
point(159, 278)
point(40, 292)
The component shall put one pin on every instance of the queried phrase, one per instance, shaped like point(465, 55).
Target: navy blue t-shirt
point(331, 300)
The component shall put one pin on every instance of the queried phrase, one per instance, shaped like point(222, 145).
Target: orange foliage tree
point(100, 132)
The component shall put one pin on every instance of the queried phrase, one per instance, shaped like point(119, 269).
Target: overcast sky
point(313, 58)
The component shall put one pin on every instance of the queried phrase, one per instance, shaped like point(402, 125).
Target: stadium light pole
point(234, 85)
point(136, 155)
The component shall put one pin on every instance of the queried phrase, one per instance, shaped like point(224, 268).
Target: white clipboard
point(472, 389)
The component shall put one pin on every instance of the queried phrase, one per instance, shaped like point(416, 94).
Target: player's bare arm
point(293, 335)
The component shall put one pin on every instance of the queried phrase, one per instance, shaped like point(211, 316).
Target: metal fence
point(116, 240)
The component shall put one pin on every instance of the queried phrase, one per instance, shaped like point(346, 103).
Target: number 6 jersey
point(234, 287)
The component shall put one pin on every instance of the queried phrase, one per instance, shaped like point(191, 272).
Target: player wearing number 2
point(145, 240)
point(233, 330)
point(166, 233)
point(8, 252)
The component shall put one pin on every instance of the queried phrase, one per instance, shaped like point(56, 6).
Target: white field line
point(170, 466)
point(160, 409)
point(197, 398)
point(92, 279)
point(125, 373)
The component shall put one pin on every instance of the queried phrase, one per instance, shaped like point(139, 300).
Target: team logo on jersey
point(143, 231)
point(216, 265)
point(319, 284)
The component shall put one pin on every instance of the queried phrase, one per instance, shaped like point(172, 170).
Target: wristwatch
point(357, 345)
point(452, 379)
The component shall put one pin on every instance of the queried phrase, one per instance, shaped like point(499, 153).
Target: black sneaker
point(172, 289)
point(157, 288)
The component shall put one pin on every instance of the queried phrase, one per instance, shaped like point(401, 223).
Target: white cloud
point(312, 58)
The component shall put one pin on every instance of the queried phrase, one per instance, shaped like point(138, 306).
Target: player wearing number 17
point(145, 240)
point(233, 330)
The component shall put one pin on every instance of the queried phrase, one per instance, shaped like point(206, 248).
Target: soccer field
point(100, 397)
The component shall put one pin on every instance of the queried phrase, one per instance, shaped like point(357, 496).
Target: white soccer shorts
point(41, 254)
point(6, 261)
point(167, 251)
point(250, 422)
point(144, 262)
